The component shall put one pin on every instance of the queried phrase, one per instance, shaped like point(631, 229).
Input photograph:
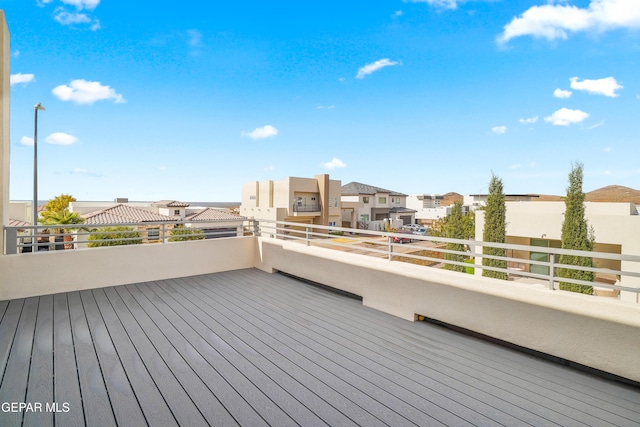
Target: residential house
point(428, 207)
point(367, 206)
point(303, 200)
point(616, 228)
point(475, 201)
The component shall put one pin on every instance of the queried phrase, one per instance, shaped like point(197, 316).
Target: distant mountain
point(614, 193)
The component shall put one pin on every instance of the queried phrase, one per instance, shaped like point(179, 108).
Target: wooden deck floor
point(251, 348)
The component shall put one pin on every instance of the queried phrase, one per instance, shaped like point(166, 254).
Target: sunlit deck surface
point(250, 348)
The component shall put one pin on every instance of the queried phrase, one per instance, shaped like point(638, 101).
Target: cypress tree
point(576, 235)
point(495, 228)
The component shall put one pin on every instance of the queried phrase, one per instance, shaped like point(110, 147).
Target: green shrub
point(181, 234)
point(109, 236)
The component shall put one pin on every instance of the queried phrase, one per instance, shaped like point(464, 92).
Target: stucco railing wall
point(42, 273)
point(598, 333)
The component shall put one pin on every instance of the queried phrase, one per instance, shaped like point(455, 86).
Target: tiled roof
point(354, 188)
point(123, 213)
point(172, 204)
point(18, 223)
point(210, 214)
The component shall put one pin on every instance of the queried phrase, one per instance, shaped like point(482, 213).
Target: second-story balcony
point(310, 209)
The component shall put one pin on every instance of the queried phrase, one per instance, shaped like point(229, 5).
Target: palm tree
point(63, 217)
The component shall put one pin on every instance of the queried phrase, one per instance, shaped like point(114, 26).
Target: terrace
point(202, 333)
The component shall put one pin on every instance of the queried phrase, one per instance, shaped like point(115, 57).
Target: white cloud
point(516, 166)
point(195, 38)
point(335, 163)
point(162, 168)
point(82, 171)
point(445, 4)
point(638, 96)
point(16, 53)
point(26, 141)
point(69, 18)
point(565, 117)
point(597, 125)
point(555, 21)
point(607, 149)
point(499, 130)
point(374, 66)
point(270, 168)
point(80, 4)
point(261, 133)
point(326, 107)
point(18, 78)
point(529, 120)
point(562, 94)
point(606, 86)
point(397, 13)
point(60, 138)
point(86, 92)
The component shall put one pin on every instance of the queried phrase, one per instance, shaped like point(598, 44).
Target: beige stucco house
point(367, 206)
point(616, 227)
point(304, 200)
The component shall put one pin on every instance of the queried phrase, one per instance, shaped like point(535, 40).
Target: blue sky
point(188, 101)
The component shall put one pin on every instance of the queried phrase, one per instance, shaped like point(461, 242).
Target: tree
point(109, 236)
point(456, 228)
point(59, 203)
point(495, 228)
point(63, 217)
point(181, 233)
point(576, 234)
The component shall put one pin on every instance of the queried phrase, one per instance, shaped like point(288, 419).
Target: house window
point(364, 217)
point(382, 200)
point(176, 211)
point(395, 200)
point(153, 234)
point(252, 197)
point(365, 199)
point(332, 223)
point(313, 199)
point(335, 202)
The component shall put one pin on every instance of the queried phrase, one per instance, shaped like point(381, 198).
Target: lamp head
point(39, 106)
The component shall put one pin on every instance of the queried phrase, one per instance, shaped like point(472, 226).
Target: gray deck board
point(95, 398)
point(40, 387)
point(66, 388)
point(126, 409)
point(180, 403)
point(250, 348)
point(16, 374)
point(559, 409)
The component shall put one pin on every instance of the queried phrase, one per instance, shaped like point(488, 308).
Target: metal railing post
point(163, 232)
point(307, 235)
point(390, 248)
point(552, 271)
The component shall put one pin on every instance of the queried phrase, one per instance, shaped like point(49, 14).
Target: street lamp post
point(36, 107)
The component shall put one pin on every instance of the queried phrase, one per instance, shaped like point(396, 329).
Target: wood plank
point(540, 389)
point(8, 327)
point(14, 381)
point(341, 379)
point(197, 325)
point(368, 381)
point(40, 388)
point(180, 356)
point(325, 402)
point(66, 382)
point(178, 401)
point(124, 402)
point(95, 398)
point(152, 403)
point(220, 355)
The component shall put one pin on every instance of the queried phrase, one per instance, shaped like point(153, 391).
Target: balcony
point(312, 209)
point(201, 333)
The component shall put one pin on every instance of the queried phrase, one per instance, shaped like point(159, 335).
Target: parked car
point(421, 231)
point(410, 227)
point(402, 239)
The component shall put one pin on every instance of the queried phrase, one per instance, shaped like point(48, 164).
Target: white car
point(421, 231)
